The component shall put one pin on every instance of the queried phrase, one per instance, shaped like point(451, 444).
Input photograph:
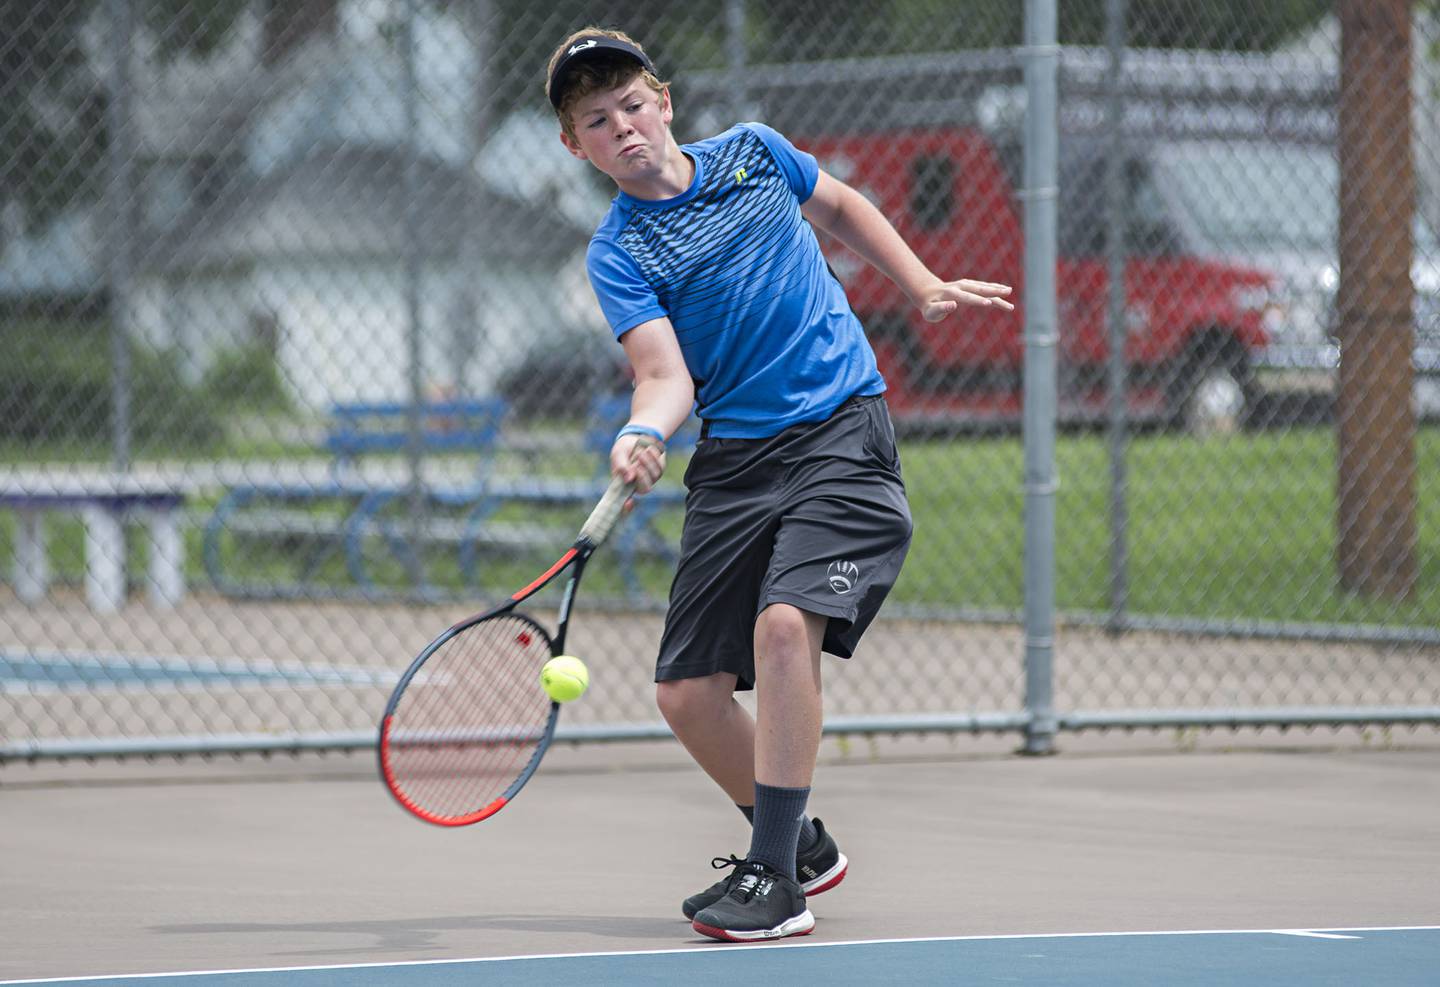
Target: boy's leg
point(789, 708)
point(719, 734)
point(788, 695)
point(766, 901)
point(715, 729)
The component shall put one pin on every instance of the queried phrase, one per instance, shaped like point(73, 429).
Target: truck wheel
point(1214, 393)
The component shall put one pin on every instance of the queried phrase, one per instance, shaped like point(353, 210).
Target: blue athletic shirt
point(765, 328)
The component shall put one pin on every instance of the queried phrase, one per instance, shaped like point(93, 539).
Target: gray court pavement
point(907, 667)
point(145, 867)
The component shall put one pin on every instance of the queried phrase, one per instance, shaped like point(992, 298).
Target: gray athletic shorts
point(815, 517)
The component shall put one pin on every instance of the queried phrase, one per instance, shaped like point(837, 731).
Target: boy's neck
point(673, 178)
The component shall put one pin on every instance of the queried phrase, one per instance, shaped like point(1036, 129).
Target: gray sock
point(776, 832)
point(808, 833)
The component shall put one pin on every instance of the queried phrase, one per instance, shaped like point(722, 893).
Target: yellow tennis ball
point(564, 678)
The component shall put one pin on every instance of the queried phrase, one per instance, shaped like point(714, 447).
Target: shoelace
point(720, 863)
point(742, 883)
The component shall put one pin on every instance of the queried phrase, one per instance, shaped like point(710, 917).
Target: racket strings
point(471, 719)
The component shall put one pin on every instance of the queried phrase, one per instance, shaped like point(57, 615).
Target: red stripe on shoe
point(758, 936)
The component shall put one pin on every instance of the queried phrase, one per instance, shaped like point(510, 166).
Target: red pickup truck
point(1193, 324)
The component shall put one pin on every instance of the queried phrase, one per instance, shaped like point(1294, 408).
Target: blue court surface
point(1394, 957)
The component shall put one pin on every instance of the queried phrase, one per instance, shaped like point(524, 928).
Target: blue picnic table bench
point(362, 428)
point(351, 511)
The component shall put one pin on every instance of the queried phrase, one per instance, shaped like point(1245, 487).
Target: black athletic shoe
point(822, 866)
point(818, 869)
point(761, 904)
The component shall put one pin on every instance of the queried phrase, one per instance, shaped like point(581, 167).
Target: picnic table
point(104, 501)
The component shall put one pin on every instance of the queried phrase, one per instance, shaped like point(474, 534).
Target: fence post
point(1041, 54)
point(736, 57)
point(120, 225)
point(1116, 249)
point(414, 273)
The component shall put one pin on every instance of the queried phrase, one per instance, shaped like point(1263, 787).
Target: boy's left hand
point(946, 297)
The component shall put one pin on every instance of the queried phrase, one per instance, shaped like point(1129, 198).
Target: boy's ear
point(667, 109)
point(572, 146)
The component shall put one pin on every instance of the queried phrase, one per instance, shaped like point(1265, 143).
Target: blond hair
point(599, 74)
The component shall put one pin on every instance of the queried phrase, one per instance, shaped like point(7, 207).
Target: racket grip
point(602, 519)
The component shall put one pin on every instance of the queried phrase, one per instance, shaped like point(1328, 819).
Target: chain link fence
point(290, 291)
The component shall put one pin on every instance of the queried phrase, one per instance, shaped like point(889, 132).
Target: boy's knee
point(782, 631)
point(684, 699)
point(670, 697)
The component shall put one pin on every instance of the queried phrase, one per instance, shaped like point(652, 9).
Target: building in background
point(272, 209)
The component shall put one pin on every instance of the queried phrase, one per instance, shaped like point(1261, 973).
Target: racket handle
point(602, 519)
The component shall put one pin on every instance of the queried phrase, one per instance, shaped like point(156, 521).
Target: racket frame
point(602, 519)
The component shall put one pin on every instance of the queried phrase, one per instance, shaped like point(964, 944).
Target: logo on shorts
point(843, 576)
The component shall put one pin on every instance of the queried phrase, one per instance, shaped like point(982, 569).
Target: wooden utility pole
point(1375, 420)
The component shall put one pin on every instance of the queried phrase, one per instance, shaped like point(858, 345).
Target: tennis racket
point(468, 722)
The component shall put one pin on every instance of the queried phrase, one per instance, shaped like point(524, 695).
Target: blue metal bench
point(367, 519)
point(470, 425)
point(638, 535)
point(275, 510)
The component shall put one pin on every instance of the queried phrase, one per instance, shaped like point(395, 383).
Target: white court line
point(731, 948)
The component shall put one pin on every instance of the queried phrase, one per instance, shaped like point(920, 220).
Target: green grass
point(1236, 528)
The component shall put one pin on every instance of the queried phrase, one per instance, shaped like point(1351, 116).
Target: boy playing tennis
point(796, 520)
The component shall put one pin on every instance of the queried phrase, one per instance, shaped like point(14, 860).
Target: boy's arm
point(852, 219)
point(664, 395)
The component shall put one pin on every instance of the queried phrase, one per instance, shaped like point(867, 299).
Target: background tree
point(53, 102)
point(51, 108)
point(1228, 25)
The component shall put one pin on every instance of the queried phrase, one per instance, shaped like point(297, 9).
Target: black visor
point(583, 49)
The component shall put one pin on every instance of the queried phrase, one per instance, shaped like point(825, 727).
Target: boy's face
point(624, 132)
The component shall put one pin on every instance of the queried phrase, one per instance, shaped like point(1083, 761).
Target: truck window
point(932, 190)
point(1150, 232)
point(1084, 224)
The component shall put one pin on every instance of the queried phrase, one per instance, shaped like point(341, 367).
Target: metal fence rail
point(268, 270)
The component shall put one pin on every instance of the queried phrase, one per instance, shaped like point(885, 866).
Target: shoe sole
point(801, 925)
point(827, 880)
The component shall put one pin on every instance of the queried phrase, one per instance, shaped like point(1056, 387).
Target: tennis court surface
point(1123, 861)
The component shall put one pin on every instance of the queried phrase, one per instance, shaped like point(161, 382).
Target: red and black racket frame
point(574, 560)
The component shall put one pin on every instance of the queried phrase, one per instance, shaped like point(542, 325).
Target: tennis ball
point(564, 678)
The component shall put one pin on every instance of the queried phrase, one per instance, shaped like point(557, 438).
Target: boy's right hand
point(637, 459)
